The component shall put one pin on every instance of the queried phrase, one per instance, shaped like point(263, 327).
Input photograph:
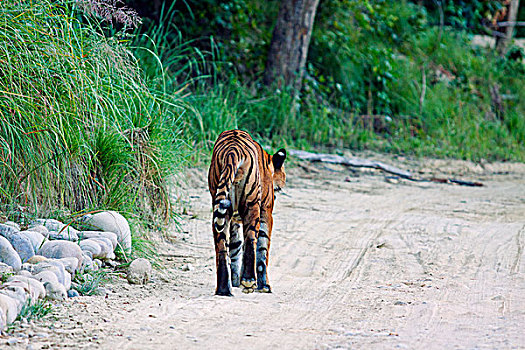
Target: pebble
point(12, 341)
point(188, 267)
point(139, 271)
point(72, 293)
point(8, 254)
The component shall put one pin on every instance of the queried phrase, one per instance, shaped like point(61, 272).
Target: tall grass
point(80, 127)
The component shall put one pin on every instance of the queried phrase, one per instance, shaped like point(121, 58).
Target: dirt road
point(357, 261)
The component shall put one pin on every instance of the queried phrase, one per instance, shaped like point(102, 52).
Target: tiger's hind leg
point(263, 247)
point(251, 225)
point(235, 247)
point(221, 221)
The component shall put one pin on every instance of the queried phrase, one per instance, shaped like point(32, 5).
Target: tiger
point(242, 180)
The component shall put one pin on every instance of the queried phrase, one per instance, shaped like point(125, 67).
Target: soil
point(358, 259)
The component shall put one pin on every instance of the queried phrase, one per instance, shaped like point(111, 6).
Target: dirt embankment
point(357, 261)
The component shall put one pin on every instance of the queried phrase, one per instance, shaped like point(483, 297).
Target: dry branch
point(366, 163)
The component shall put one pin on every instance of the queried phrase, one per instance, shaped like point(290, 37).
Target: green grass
point(80, 126)
point(34, 311)
point(88, 282)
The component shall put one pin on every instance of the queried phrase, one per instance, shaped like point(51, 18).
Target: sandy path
point(356, 261)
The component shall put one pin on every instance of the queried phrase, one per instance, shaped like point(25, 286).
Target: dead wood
point(366, 163)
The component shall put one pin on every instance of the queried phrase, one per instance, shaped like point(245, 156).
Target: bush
point(80, 127)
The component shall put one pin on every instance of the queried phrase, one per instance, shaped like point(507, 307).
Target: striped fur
point(241, 179)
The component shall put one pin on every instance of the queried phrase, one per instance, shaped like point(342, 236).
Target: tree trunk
point(503, 43)
point(290, 41)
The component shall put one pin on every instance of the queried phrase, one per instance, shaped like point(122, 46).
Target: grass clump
point(80, 128)
point(34, 311)
point(87, 283)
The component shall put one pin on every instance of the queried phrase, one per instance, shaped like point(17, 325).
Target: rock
point(58, 230)
point(35, 259)
point(3, 319)
point(101, 291)
point(55, 291)
point(28, 267)
point(88, 264)
point(98, 263)
point(4, 268)
point(8, 254)
point(139, 271)
point(36, 239)
point(35, 288)
point(61, 249)
point(106, 246)
point(92, 246)
point(40, 229)
point(24, 273)
point(16, 292)
point(70, 264)
point(58, 269)
point(97, 234)
point(8, 307)
point(69, 234)
point(46, 276)
point(21, 244)
point(113, 222)
point(72, 293)
point(188, 267)
point(13, 225)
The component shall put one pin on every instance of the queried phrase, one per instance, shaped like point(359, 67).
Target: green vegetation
point(88, 282)
point(94, 115)
point(34, 311)
point(80, 128)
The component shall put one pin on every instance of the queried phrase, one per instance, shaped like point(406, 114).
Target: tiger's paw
point(248, 285)
point(264, 289)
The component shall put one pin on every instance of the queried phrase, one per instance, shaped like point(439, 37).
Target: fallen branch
point(366, 163)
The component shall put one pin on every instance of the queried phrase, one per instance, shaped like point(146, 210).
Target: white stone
point(96, 234)
point(35, 288)
point(9, 307)
point(113, 222)
point(61, 249)
point(36, 238)
point(8, 254)
point(55, 291)
point(139, 271)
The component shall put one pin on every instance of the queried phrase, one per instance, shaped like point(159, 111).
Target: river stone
point(106, 246)
point(13, 225)
point(28, 267)
point(40, 229)
point(36, 238)
point(139, 271)
point(24, 273)
point(88, 264)
point(35, 259)
point(3, 317)
point(61, 249)
point(55, 291)
point(4, 268)
point(22, 245)
point(16, 292)
point(58, 230)
point(9, 307)
point(8, 254)
point(92, 246)
point(35, 288)
point(96, 234)
point(70, 264)
point(113, 222)
point(57, 268)
point(72, 293)
point(46, 276)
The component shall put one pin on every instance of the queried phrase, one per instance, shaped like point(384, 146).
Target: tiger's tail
point(223, 206)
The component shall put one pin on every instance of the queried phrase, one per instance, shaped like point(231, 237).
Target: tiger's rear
point(241, 180)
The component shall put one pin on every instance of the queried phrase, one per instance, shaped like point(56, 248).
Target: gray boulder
point(9, 308)
point(57, 268)
point(91, 246)
point(46, 276)
point(55, 291)
point(8, 254)
point(70, 264)
point(61, 249)
point(36, 238)
point(139, 271)
point(106, 246)
point(16, 292)
point(35, 288)
point(20, 243)
point(4, 268)
point(58, 230)
point(40, 229)
point(113, 222)
point(98, 234)
point(13, 225)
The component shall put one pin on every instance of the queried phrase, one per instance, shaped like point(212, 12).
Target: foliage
point(80, 128)
point(87, 282)
point(34, 311)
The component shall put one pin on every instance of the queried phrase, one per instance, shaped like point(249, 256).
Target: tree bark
point(290, 41)
point(503, 43)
